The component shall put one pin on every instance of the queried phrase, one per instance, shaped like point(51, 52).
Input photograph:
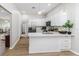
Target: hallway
point(21, 48)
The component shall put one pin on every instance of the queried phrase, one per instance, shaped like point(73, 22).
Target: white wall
point(73, 14)
point(15, 22)
point(75, 41)
point(72, 11)
point(55, 16)
point(61, 14)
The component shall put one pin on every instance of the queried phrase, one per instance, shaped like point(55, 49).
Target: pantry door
point(5, 22)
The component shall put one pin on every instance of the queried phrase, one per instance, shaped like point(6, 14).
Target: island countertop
point(48, 34)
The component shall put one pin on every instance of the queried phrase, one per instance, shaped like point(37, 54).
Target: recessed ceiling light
point(49, 4)
point(40, 12)
point(64, 13)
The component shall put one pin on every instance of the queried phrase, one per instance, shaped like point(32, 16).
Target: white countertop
point(53, 34)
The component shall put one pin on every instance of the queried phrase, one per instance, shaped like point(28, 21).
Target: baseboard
point(14, 43)
point(74, 52)
point(32, 52)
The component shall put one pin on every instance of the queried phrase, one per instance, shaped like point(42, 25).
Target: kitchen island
point(45, 42)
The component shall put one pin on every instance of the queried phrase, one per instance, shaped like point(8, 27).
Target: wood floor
point(21, 49)
point(63, 53)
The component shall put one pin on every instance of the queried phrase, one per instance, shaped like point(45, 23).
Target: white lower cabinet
point(65, 43)
point(49, 42)
point(44, 44)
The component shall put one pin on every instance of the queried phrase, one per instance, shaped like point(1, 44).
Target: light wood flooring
point(63, 53)
point(22, 49)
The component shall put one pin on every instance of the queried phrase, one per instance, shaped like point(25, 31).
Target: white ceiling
point(4, 14)
point(26, 8)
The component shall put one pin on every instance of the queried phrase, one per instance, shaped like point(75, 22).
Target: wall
point(75, 41)
point(72, 11)
point(73, 14)
point(55, 15)
point(15, 22)
point(61, 14)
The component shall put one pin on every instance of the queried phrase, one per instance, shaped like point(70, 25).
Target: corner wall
point(75, 40)
point(15, 23)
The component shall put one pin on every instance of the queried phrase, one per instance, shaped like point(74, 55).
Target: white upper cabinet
point(59, 18)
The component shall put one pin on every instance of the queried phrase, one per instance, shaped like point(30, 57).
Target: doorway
point(5, 27)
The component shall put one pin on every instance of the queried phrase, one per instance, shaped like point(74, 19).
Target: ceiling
point(35, 8)
point(4, 14)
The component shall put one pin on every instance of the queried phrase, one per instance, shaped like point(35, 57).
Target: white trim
point(14, 44)
point(74, 52)
point(30, 52)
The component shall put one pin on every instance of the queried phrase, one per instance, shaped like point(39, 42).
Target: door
point(5, 21)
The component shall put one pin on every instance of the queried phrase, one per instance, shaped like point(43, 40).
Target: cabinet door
point(65, 43)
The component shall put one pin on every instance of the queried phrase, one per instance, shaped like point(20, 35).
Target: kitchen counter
point(43, 42)
point(48, 34)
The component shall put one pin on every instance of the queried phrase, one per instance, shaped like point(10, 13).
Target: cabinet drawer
point(67, 40)
point(66, 47)
point(65, 44)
